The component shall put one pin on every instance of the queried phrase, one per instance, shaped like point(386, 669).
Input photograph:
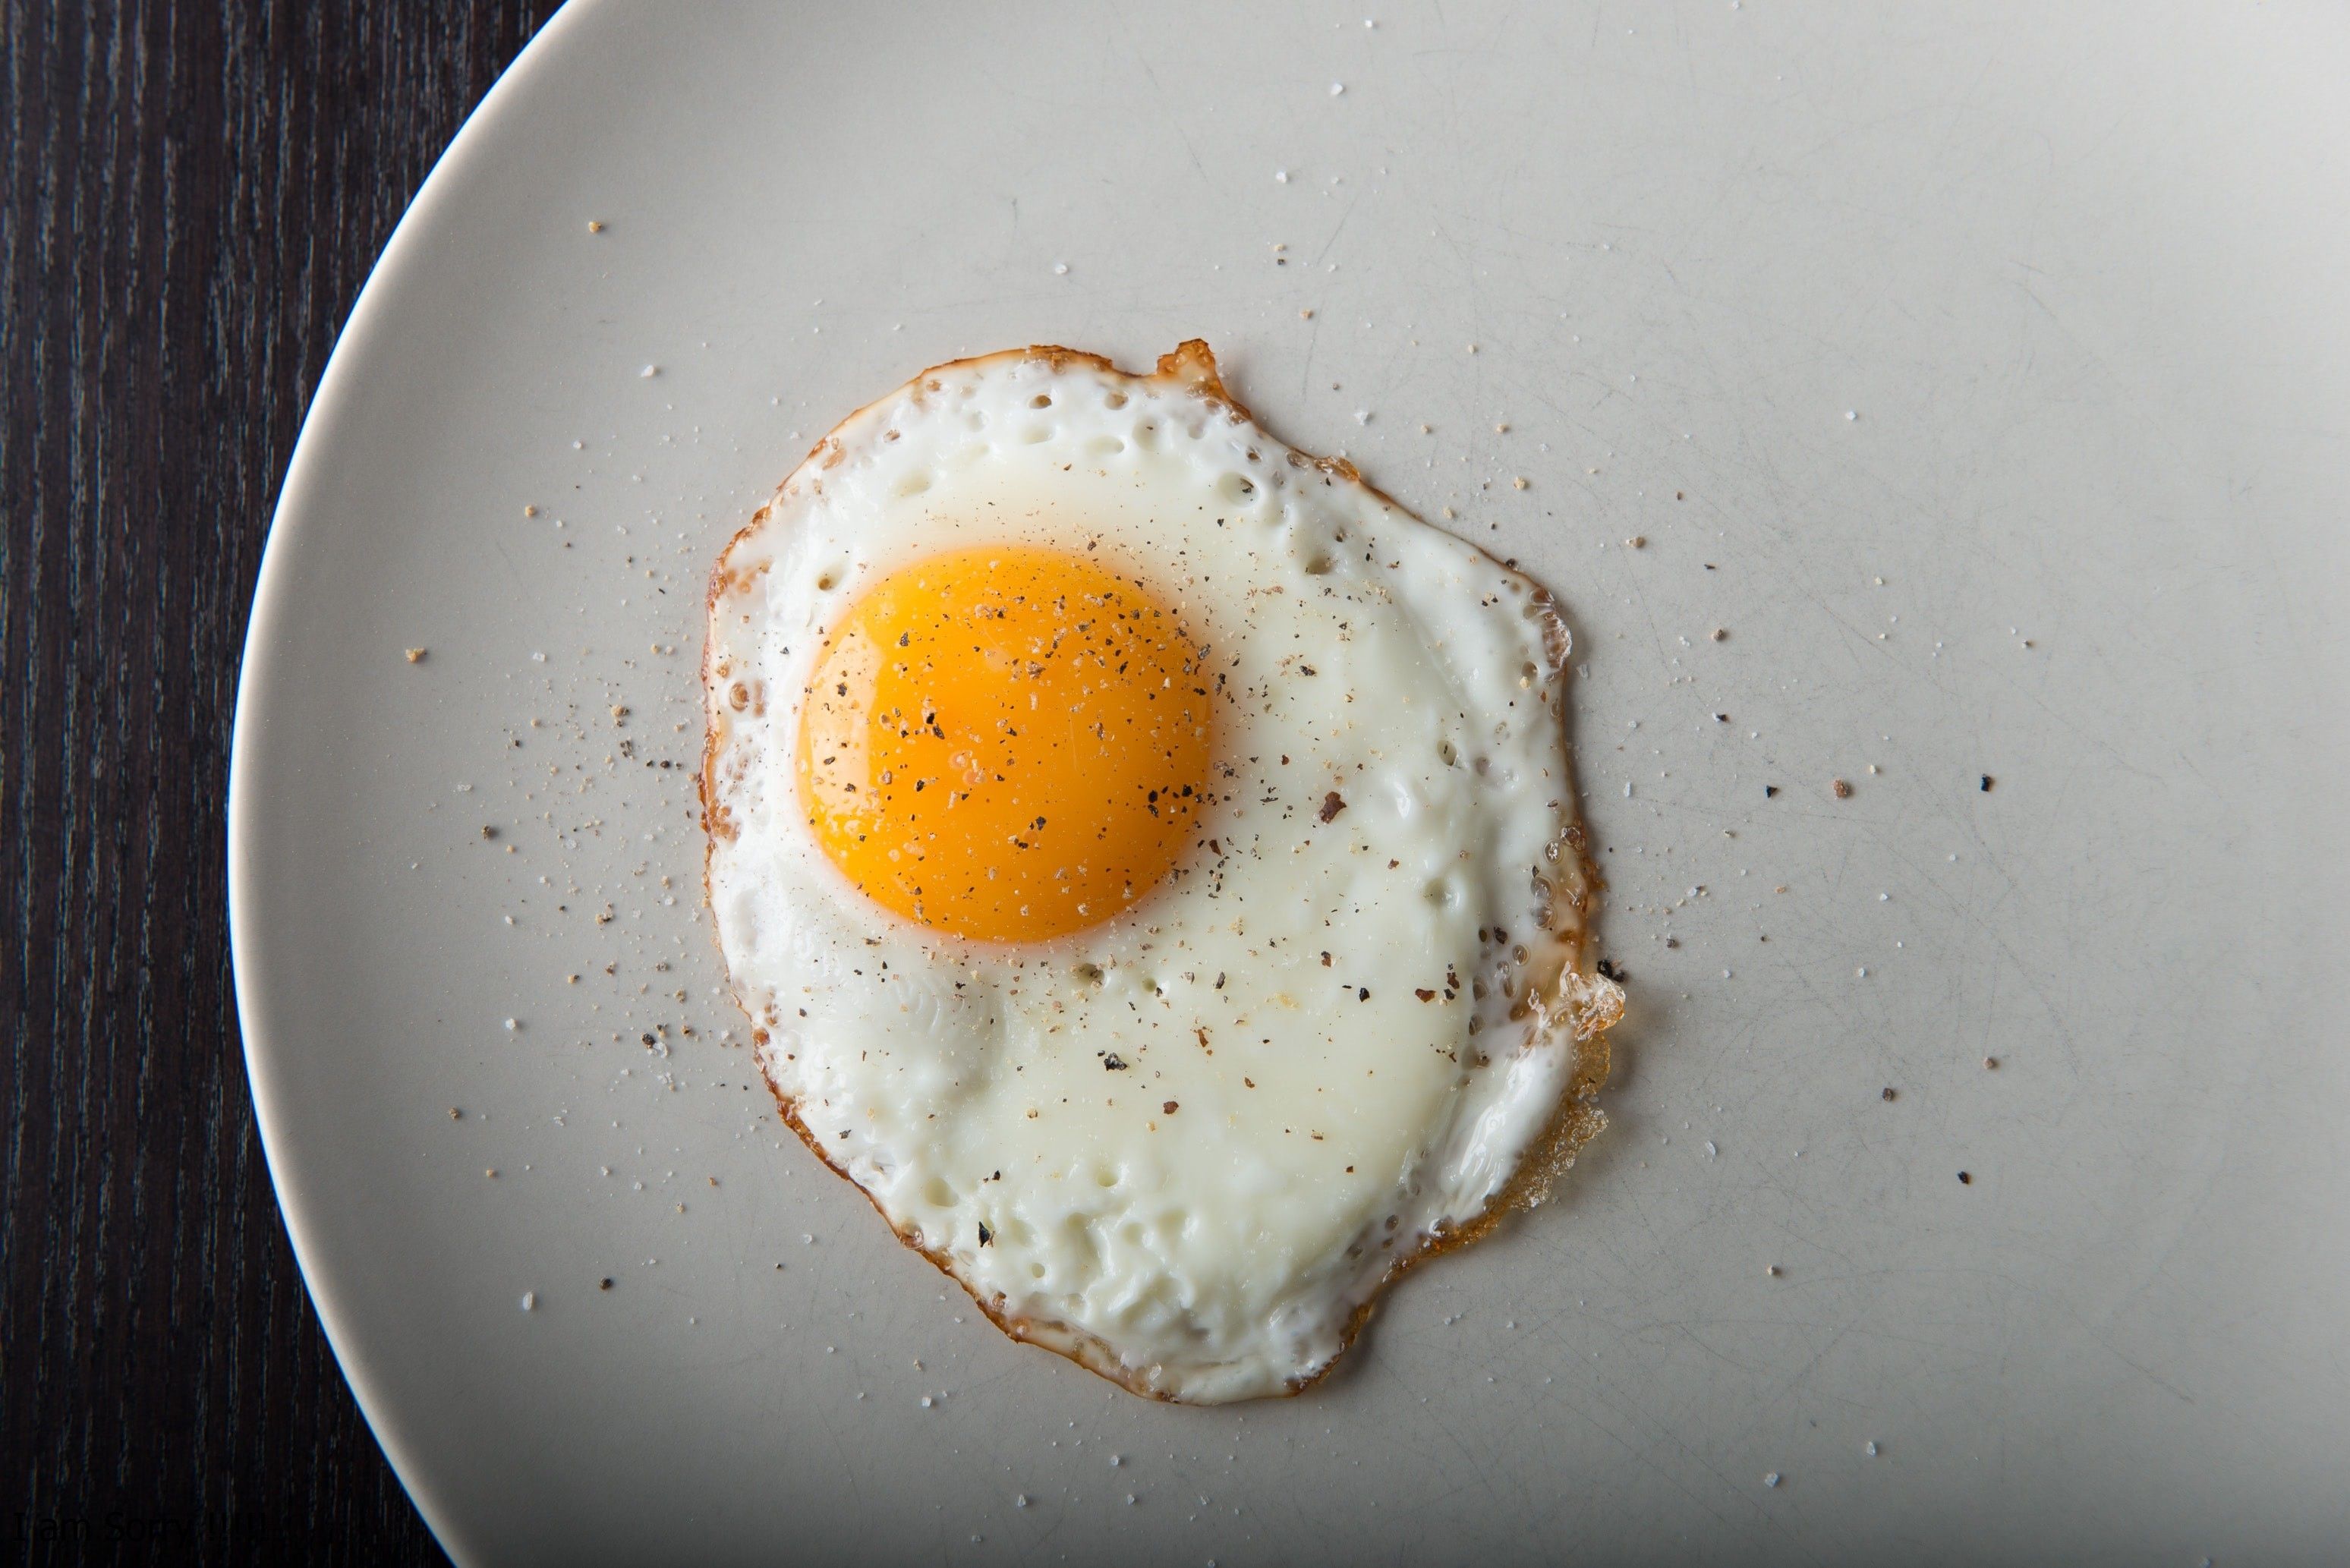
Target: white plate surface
point(1984, 372)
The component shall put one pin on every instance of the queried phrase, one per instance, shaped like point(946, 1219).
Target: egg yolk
point(1006, 744)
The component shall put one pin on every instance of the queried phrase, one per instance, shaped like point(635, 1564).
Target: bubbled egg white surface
point(1186, 1146)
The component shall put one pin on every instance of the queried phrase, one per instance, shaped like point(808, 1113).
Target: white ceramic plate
point(1983, 372)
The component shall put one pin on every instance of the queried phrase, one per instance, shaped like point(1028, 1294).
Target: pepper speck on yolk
point(1006, 744)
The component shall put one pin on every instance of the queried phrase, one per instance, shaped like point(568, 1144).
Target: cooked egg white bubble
point(1172, 1091)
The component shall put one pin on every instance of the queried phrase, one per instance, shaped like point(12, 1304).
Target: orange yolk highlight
point(1006, 744)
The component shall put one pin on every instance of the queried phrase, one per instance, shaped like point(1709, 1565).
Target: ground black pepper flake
point(1966, 1178)
point(1986, 782)
point(1332, 806)
point(1114, 1063)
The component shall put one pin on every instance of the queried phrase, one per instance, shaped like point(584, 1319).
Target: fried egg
point(1149, 860)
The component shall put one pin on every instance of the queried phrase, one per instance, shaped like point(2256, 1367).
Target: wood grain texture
point(193, 194)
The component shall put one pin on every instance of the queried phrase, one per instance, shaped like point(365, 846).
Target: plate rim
point(250, 958)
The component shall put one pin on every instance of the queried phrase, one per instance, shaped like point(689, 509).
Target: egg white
point(1370, 1021)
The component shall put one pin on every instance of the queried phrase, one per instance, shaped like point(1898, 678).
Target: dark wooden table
point(193, 193)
